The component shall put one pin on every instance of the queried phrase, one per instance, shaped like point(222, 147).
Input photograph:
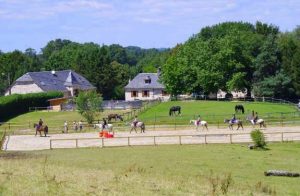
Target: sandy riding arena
point(189, 136)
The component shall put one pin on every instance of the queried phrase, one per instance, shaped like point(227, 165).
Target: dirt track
point(191, 136)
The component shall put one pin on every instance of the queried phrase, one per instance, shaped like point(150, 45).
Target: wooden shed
point(55, 104)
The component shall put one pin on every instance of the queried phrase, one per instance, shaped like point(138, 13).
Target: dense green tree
point(88, 105)
point(289, 44)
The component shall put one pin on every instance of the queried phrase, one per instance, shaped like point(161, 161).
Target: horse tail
point(243, 110)
point(179, 110)
point(170, 112)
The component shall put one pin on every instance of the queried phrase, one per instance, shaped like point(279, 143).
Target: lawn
point(216, 111)
point(54, 120)
point(212, 111)
point(160, 170)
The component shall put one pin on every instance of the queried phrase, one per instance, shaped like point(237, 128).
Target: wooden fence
point(229, 138)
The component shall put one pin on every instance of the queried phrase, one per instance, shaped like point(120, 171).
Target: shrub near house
point(16, 104)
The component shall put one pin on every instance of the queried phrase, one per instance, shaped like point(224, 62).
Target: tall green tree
point(88, 104)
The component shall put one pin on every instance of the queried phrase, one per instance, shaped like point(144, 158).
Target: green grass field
point(216, 111)
point(160, 170)
point(212, 111)
point(55, 120)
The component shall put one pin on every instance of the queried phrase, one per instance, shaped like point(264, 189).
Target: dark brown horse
point(114, 116)
point(40, 129)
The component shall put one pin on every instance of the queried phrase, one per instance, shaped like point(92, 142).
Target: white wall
point(153, 94)
point(24, 89)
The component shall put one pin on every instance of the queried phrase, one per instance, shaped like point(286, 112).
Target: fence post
point(180, 140)
point(50, 144)
point(205, 139)
point(175, 122)
point(102, 140)
point(76, 143)
point(281, 136)
point(230, 138)
point(154, 120)
point(154, 140)
point(128, 141)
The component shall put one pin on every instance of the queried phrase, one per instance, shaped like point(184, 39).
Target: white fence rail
point(229, 138)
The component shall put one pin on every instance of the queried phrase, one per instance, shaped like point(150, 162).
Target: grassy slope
point(52, 119)
point(150, 170)
point(211, 111)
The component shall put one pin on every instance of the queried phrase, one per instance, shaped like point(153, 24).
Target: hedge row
point(13, 105)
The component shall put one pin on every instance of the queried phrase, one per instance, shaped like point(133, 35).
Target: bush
point(17, 104)
point(88, 104)
point(258, 138)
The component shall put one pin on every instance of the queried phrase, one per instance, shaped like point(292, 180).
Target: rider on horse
point(198, 120)
point(104, 123)
point(255, 118)
point(40, 123)
point(233, 119)
point(135, 121)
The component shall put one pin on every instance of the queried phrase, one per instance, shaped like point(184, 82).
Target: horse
point(114, 116)
point(138, 124)
point(174, 109)
point(201, 123)
point(239, 123)
point(109, 127)
point(259, 121)
point(239, 108)
point(40, 129)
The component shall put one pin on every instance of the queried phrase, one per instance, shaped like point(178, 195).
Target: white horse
point(109, 127)
point(201, 123)
point(259, 121)
point(138, 124)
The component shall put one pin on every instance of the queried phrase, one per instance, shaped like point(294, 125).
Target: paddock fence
point(158, 122)
point(229, 138)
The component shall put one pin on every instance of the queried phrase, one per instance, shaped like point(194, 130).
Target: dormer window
point(148, 80)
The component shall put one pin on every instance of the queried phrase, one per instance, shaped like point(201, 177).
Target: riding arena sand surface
point(150, 137)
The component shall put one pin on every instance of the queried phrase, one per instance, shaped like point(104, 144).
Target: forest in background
point(228, 56)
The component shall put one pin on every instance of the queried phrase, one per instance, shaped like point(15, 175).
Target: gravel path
point(191, 136)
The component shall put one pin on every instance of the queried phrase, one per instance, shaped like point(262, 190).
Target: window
point(164, 93)
point(134, 94)
point(145, 93)
point(148, 80)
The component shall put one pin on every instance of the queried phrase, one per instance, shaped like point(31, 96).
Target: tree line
point(236, 56)
point(255, 58)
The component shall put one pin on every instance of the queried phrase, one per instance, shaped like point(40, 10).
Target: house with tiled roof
point(66, 81)
point(145, 86)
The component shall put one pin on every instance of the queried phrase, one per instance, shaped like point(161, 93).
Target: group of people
point(76, 126)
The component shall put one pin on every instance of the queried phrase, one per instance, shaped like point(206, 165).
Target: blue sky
point(144, 23)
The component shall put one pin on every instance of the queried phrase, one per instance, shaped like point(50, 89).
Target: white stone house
point(145, 86)
point(66, 81)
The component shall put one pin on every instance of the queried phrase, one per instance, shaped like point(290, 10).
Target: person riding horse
point(198, 120)
point(255, 118)
point(104, 123)
point(135, 121)
point(40, 123)
point(233, 119)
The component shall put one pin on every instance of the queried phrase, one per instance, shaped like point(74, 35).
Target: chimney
point(158, 71)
